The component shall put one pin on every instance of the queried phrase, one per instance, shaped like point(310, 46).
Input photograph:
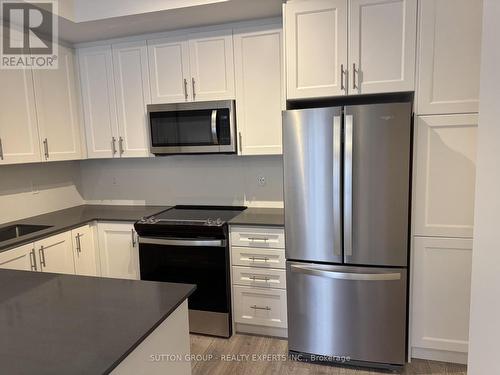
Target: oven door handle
point(181, 242)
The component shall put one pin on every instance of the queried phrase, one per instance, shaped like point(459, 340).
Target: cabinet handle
point(113, 145)
point(256, 278)
point(256, 239)
point(264, 259)
point(133, 238)
point(193, 84)
point(120, 145)
point(46, 147)
point(41, 254)
point(1, 149)
point(185, 88)
point(33, 260)
point(78, 244)
point(240, 140)
point(342, 72)
point(255, 307)
point(354, 71)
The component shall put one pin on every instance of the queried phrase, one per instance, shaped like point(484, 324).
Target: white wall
point(33, 189)
point(484, 331)
point(196, 179)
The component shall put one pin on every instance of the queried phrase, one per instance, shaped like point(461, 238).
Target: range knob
point(210, 221)
point(219, 222)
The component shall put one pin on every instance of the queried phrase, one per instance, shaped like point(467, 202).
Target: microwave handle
point(215, 138)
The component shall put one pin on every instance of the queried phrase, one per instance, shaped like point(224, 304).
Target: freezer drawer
point(354, 312)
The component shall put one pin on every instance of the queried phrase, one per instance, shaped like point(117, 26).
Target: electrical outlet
point(261, 180)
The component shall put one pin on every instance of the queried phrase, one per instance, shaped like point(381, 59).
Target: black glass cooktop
point(201, 214)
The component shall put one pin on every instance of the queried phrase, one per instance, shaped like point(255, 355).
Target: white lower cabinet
point(84, 251)
point(441, 298)
point(119, 250)
point(55, 254)
point(21, 258)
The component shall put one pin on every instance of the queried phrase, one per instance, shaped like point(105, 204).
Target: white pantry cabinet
point(382, 45)
point(55, 254)
point(84, 251)
point(316, 48)
point(259, 89)
point(57, 105)
point(18, 122)
point(21, 258)
point(441, 295)
point(131, 73)
point(449, 56)
point(169, 70)
point(194, 67)
point(99, 103)
point(445, 175)
point(119, 250)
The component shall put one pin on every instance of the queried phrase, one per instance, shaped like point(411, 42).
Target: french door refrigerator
point(346, 180)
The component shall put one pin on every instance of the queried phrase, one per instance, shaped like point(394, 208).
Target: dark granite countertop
point(63, 220)
point(260, 216)
point(61, 324)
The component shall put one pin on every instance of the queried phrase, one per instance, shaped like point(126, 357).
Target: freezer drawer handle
point(181, 242)
point(347, 275)
point(255, 307)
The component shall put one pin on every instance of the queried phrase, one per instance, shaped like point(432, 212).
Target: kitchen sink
point(16, 231)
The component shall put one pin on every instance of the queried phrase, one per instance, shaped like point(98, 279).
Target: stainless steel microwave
point(193, 128)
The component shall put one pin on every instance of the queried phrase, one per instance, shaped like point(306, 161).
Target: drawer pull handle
point(255, 307)
point(256, 278)
point(255, 239)
point(254, 259)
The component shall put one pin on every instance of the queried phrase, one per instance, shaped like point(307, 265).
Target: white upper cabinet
point(449, 56)
point(18, 121)
point(211, 65)
point(445, 152)
point(58, 109)
point(99, 104)
point(55, 254)
point(316, 48)
point(131, 73)
point(192, 67)
point(259, 89)
point(382, 44)
point(169, 70)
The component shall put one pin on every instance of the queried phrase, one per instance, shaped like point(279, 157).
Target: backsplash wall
point(186, 179)
point(34, 189)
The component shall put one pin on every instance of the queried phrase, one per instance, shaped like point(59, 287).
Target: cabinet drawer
point(265, 307)
point(259, 277)
point(255, 257)
point(258, 237)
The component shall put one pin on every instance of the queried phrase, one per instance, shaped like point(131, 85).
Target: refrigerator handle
point(346, 275)
point(348, 186)
point(337, 215)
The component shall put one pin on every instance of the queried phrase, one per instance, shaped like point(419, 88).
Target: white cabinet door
point(382, 45)
point(211, 61)
point(449, 56)
point(18, 122)
point(445, 153)
point(259, 89)
point(131, 73)
point(441, 293)
point(316, 48)
point(119, 251)
point(55, 254)
point(21, 258)
point(169, 70)
point(84, 251)
point(57, 104)
point(99, 104)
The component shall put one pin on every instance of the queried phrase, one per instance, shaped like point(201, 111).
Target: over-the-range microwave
point(193, 128)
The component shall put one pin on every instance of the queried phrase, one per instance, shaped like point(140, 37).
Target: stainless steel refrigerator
point(347, 192)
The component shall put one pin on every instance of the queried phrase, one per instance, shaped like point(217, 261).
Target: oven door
point(204, 127)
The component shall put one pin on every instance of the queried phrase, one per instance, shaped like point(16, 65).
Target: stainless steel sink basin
point(16, 231)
